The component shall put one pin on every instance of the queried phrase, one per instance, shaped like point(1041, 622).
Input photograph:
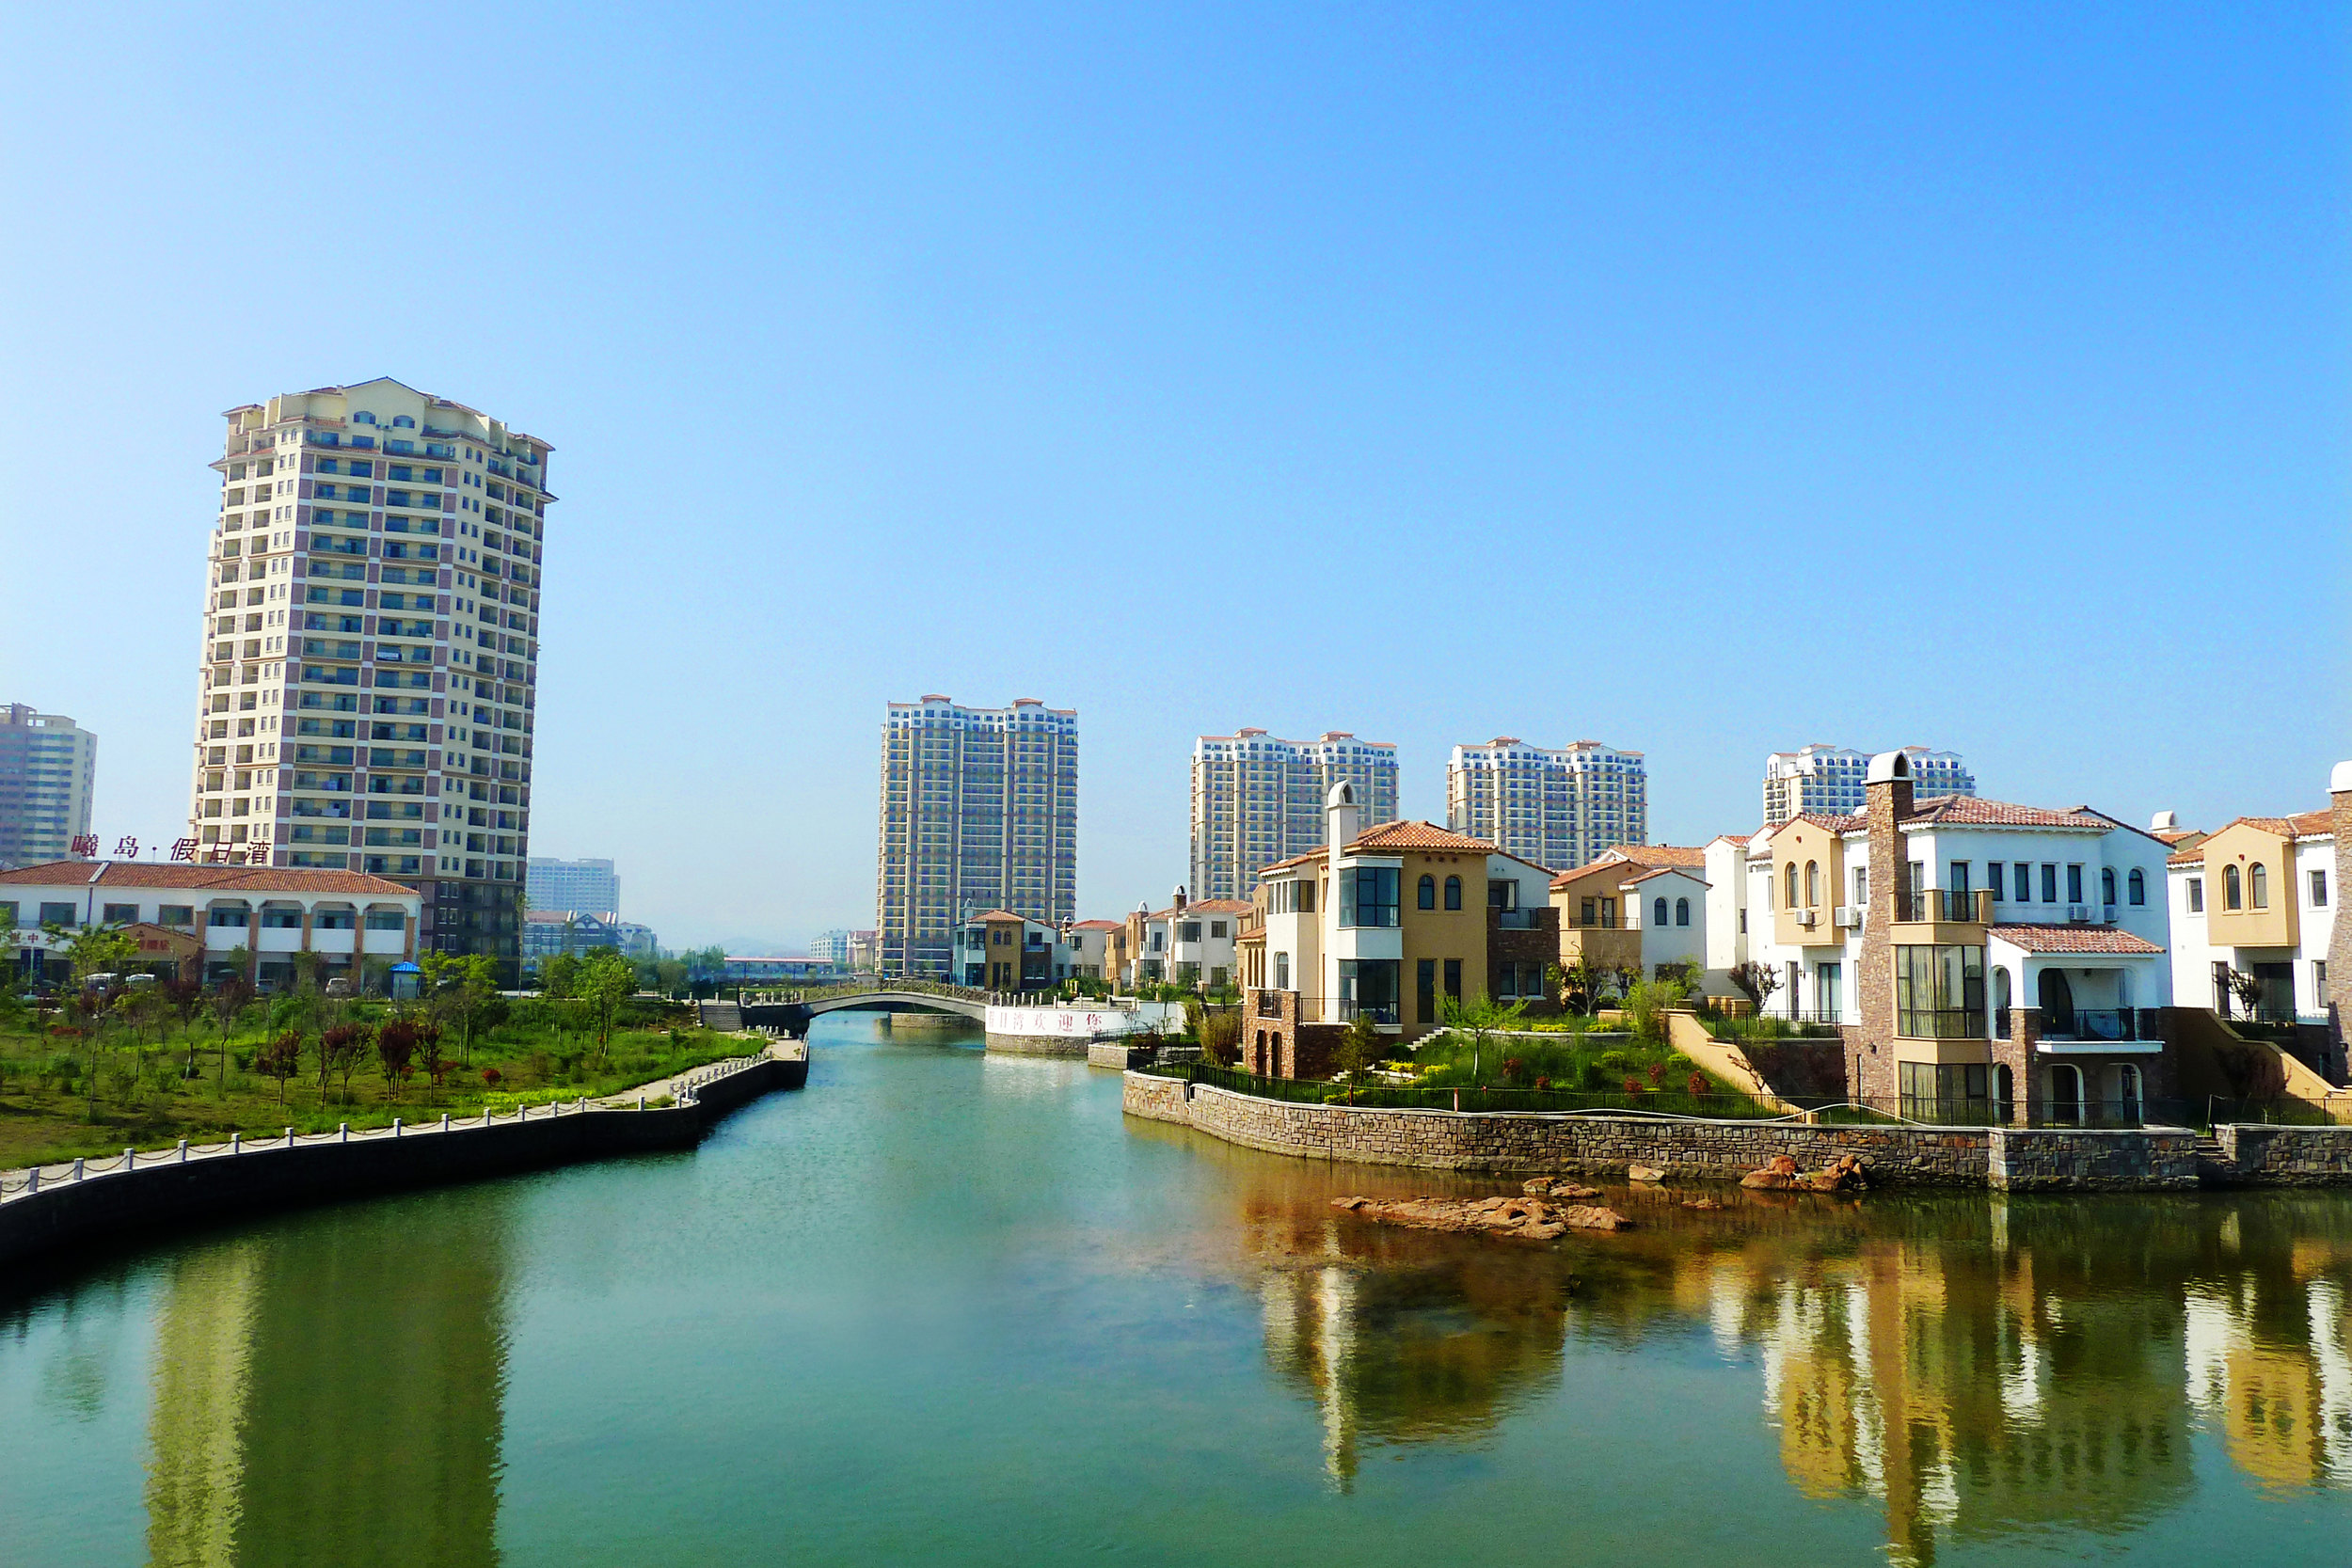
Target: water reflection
point(1976, 1368)
point(330, 1388)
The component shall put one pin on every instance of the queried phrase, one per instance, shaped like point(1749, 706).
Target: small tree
point(1758, 981)
point(1358, 1048)
point(436, 1065)
point(1582, 980)
point(280, 1057)
point(559, 976)
point(2246, 988)
point(1478, 1019)
point(228, 998)
point(395, 1053)
point(1220, 1038)
point(341, 1049)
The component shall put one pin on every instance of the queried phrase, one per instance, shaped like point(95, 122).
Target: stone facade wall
point(2338, 1002)
point(2134, 1160)
point(1156, 1099)
point(1039, 1045)
point(2287, 1156)
point(1885, 807)
point(1540, 948)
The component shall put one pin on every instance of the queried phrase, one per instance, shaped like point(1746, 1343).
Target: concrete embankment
point(2004, 1159)
point(51, 1211)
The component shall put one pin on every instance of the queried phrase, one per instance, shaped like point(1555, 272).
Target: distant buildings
point(370, 663)
point(1256, 800)
point(547, 932)
point(1556, 808)
point(557, 885)
point(1829, 779)
point(48, 774)
point(978, 811)
point(2258, 897)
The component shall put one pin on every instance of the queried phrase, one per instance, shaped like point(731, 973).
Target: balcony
point(1517, 920)
point(1380, 1012)
point(1944, 906)
point(1605, 945)
point(1941, 1023)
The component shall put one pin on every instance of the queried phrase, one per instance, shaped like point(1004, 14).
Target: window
point(402, 422)
point(1426, 896)
point(1993, 879)
point(1216, 929)
point(1939, 992)
point(2049, 884)
point(1454, 893)
point(1790, 902)
point(1658, 912)
point(1425, 988)
point(1682, 912)
point(1959, 882)
point(176, 915)
point(59, 915)
point(2233, 889)
point(2197, 896)
point(2319, 889)
point(1454, 979)
point(1812, 883)
point(1281, 971)
point(1368, 897)
point(1589, 912)
point(2025, 882)
point(2136, 885)
point(1188, 931)
point(2074, 884)
point(2106, 885)
point(2258, 885)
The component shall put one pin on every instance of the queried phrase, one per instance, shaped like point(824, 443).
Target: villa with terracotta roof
point(1637, 910)
point(2258, 897)
point(194, 918)
point(1386, 924)
point(1978, 959)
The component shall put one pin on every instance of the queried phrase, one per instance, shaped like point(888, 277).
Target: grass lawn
point(61, 1095)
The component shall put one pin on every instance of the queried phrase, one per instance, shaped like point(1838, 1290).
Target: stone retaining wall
point(1509, 1143)
point(2269, 1156)
point(1039, 1045)
point(162, 1191)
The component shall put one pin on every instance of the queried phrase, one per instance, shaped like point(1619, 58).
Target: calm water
point(945, 1308)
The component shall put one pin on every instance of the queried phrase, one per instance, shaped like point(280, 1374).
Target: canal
point(946, 1307)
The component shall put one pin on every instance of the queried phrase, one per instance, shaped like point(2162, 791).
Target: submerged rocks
point(1644, 1173)
point(1531, 1218)
point(1557, 1186)
point(1842, 1174)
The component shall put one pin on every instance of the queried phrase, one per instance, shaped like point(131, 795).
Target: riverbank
point(2003, 1158)
point(51, 1208)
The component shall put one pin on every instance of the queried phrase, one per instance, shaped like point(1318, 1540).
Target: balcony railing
point(1940, 1023)
point(2090, 1023)
point(1516, 920)
point(1380, 1012)
point(1935, 903)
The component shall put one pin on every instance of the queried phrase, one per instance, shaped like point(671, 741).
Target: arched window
point(1454, 893)
point(2106, 885)
point(1682, 912)
point(2233, 890)
point(364, 416)
point(402, 422)
point(1791, 902)
point(1812, 883)
point(2260, 878)
point(1658, 912)
point(1428, 898)
point(2137, 885)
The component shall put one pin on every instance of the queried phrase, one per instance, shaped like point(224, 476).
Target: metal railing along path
point(16, 1185)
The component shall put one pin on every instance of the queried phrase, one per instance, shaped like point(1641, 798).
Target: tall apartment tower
point(979, 811)
point(1829, 779)
point(556, 884)
point(1557, 807)
point(1257, 799)
point(370, 663)
point(48, 772)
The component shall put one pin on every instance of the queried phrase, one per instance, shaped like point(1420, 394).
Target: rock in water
point(1529, 1218)
point(1558, 1186)
point(1644, 1173)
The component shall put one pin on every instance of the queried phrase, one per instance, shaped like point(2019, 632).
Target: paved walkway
point(677, 1083)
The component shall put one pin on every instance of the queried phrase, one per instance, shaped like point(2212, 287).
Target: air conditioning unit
point(1850, 916)
point(2108, 915)
point(1806, 918)
point(2079, 911)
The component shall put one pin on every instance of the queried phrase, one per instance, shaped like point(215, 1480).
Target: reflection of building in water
point(1405, 1337)
point(1966, 1394)
point(330, 1391)
point(2272, 1368)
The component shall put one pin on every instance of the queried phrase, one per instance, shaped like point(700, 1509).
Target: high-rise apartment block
point(1556, 808)
point(1257, 799)
point(370, 664)
point(48, 772)
point(1829, 779)
point(567, 885)
point(979, 811)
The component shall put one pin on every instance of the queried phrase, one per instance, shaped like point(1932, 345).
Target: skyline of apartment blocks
point(1258, 798)
point(1558, 808)
point(370, 663)
point(590, 885)
point(1829, 779)
point(48, 777)
point(979, 811)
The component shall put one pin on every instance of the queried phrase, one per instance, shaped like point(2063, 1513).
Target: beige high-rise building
point(1557, 807)
point(370, 665)
point(1258, 798)
point(979, 811)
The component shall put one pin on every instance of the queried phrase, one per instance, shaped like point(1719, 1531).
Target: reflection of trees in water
point(329, 1391)
point(1977, 1365)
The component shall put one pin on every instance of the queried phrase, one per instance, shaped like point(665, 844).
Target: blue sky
point(1702, 380)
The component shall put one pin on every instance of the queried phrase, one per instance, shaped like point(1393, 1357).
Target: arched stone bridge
point(791, 1012)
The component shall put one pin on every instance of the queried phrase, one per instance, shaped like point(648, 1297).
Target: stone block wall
point(1156, 1099)
point(2071, 1160)
point(2265, 1156)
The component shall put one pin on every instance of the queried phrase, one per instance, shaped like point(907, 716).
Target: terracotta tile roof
point(2195, 855)
point(2173, 835)
point(1096, 925)
point(207, 878)
point(2073, 939)
point(996, 914)
point(1665, 871)
point(1420, 835)
point(1660, 854)
point(2307, 824)
point(1970, 811)
point(1220, 905)
point(1835, 822)
point(1295, 860)
point(1601, 868)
